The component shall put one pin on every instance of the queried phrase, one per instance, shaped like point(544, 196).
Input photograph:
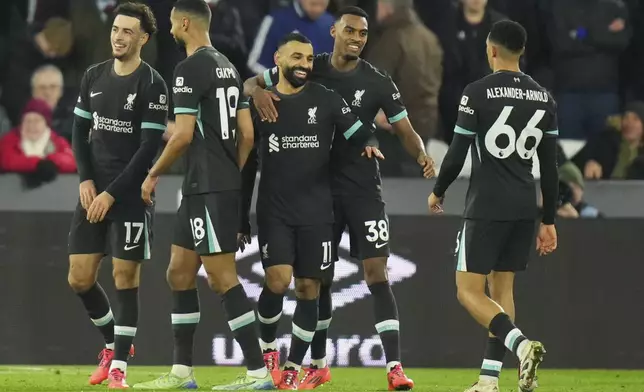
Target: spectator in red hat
point(34, 149)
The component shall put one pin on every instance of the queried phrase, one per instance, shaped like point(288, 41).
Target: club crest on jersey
point(312, 119)
point(357, 98)
point(129, 105)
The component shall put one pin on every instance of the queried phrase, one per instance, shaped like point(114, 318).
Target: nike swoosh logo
point(378, 246)
point(198, 242)
point(92, 95)
point(127, 247)
point(325, 266)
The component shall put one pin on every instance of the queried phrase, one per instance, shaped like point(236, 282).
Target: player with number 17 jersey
point(206, 79)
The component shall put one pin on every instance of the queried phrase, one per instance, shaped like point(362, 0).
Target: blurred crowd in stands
point(588, 53)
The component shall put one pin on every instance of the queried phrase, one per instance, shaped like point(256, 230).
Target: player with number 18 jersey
point(209, 211)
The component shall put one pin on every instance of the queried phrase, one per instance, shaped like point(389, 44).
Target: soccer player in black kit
point(506, 118)
point(356, 187)
point(213, 126)
point(121, 115)
point(295, 204)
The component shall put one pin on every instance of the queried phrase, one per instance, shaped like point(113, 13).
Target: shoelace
point(397, 371)
point(309, 373)
point(271, 363)
point(117, 375)
point(289, 377)
point(103, 358)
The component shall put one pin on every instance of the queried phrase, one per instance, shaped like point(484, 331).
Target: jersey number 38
point(517, 145)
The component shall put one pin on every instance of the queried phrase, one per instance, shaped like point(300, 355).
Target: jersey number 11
point(228, 99)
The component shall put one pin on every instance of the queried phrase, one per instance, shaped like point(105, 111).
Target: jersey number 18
point(515, 145)
point(228, 99)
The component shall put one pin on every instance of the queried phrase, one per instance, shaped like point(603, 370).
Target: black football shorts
point(208, 223)
point(483, 246)
point(130, 237)
point(307, 248)
point(368, 226)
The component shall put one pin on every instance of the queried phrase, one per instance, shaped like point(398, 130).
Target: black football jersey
point(294, 154)
point(208, 86)
point(367, 90)
point(507, 114)
point(121, 109)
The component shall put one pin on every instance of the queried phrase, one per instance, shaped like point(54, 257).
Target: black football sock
point(185, 318)
point(269, 312)
point(305, 319)
point(98, 308)
point(492, 360)
point(504, 329)
point(387, 324)
point(241, 319)
point(325, 311)
point(126, 323)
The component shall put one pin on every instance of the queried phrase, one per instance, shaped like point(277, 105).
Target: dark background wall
point(585, 302)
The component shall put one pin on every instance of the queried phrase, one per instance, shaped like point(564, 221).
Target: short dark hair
point(509, 34)
point(290, 37)
point(195, 7)
point(351, 10)
point(140, 11)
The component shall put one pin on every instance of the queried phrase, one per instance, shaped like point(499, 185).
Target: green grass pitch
point(69, 378)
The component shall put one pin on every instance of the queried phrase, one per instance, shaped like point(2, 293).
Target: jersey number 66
point(516, 144)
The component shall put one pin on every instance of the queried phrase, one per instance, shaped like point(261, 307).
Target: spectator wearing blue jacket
point(308, 17)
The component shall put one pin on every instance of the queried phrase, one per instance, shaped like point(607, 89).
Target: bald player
point(214, 127)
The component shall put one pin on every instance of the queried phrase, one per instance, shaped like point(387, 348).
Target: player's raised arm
point(153, 125)
point(464, 134)
point(396, 113)
point(255, 87)
point(80, 144)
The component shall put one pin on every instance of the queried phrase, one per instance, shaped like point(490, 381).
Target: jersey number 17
point(228, 99)
point(516, 144)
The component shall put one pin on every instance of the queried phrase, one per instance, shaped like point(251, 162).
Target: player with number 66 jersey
point(505, 118)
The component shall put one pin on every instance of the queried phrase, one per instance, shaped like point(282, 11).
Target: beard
point(289, 74)
point(125, 56)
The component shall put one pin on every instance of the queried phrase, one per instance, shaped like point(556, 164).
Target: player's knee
point(180, 279)
point(80, 283)
point(375, 270)
point(307, 288)
point(220, 283)
point(125, 277)
point(464, 294)
point(278, 279)
point(278, 286)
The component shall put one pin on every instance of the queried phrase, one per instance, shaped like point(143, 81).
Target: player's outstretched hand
point(371, 151)
point(263, 100)
point(427, 164)
point(147, 188)
point(546, 239)
point(242, 241)
point(99, 208)
point(435, 204)
point(87, 191)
